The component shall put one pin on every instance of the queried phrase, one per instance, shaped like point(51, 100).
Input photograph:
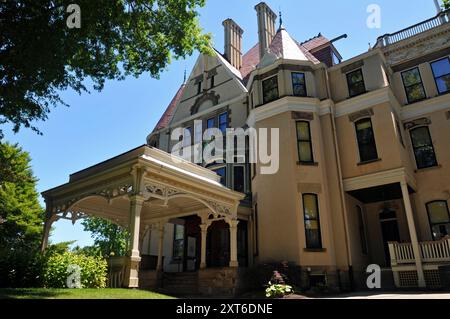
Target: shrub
point(59, 267)
point(278, 290)
point(21, 266)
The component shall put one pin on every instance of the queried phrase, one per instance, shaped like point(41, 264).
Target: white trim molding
point(436, 104)
point(397, 175)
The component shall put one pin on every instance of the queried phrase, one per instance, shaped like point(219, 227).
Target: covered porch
point(148, 191)
point(382, 226)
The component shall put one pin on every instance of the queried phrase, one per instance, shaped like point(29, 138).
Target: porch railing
point(391, 38)
point(431, 252)
point(116, 272)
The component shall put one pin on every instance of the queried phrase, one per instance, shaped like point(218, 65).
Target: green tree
point(19, 206)
point(110, 238)
point(21, 220)
point(446, 4)
point(41, 54)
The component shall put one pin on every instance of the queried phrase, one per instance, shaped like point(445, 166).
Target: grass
point(107, 293)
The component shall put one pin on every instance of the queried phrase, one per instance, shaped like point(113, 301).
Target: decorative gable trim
point(360, 114)
point(418, 122)
point(211, 96)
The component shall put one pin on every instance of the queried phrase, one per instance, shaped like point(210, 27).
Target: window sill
point(369, 162)
point(307, 163)
point(426, 169)
point(314, 250)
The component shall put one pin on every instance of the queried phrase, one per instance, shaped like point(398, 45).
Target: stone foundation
point(220, 282)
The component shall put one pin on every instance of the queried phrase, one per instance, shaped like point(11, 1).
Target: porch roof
point(170, 187)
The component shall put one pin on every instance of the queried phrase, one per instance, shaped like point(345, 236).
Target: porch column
point(204, 230)
point(413, 234)
point(47, 227)
point(159, 265)
point(131, 279)
point(233, 243)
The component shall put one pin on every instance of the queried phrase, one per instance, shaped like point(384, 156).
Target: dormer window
point(270, 89)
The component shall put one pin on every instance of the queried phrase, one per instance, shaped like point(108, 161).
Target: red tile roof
point(167, 116)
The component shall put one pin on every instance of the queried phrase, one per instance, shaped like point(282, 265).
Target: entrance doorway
point(389, 231)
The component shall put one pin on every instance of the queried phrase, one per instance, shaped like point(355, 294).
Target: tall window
point(312, 221)
point(178, 242)
point(223, 122)
point(439, 218)
point(355, 81)
point(423, 147)
point(270, 89)
point(212, 81)
point(199, 87)
point(441, 72)
point(362, 230)
point(222, 172)
point(412, 82)
point(239, 179)
point(366, 140)
point(299, 84)
point(305, 154)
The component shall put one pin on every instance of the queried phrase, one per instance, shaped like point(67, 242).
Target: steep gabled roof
point(283, 46)
point(168, 114)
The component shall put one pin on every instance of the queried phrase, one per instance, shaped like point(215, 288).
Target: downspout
point(341, 185)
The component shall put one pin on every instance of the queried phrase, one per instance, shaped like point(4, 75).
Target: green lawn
point(42, 293)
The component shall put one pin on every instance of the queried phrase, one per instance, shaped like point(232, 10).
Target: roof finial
point(281, 19)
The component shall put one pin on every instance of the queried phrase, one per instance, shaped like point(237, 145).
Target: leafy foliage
point(40, 55)
point(93, 270)
point(19, 206)
point(277, 287)
point(446, 4)
point(110, 238)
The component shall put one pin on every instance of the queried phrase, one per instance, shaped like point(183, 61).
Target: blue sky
point(101, 125)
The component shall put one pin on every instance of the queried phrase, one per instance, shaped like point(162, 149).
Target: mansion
point(363, 176)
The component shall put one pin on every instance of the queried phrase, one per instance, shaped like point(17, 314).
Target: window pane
point(223, 122)
point(239, 179)
point(423, 147)
point(313, 238)
point(270, 89)
point(222, 172)
point(310, 206)
point(299, 90)
point(443, 83)
point(411, 77)
point(305, 154)
point(355, 77)
point(355, 81)
point(415, 93)
point(298, 78)
point(366, 140)
point(179, 232)
point(303, 131)
point(210, 123)
point(440, 231)
point(438, 212)
point(441, 67)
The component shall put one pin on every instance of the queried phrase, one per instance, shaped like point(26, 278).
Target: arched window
point(366, 140)
point(423, 147)
point(439, 218)
point(312, 221)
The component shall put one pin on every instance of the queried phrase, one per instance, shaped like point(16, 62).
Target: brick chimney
point(266, 26)
point(233, 43)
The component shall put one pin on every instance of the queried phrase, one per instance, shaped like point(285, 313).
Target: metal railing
point(391, 38)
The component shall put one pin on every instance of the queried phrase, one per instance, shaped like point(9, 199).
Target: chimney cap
point(233, 23)
point(263, 5)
